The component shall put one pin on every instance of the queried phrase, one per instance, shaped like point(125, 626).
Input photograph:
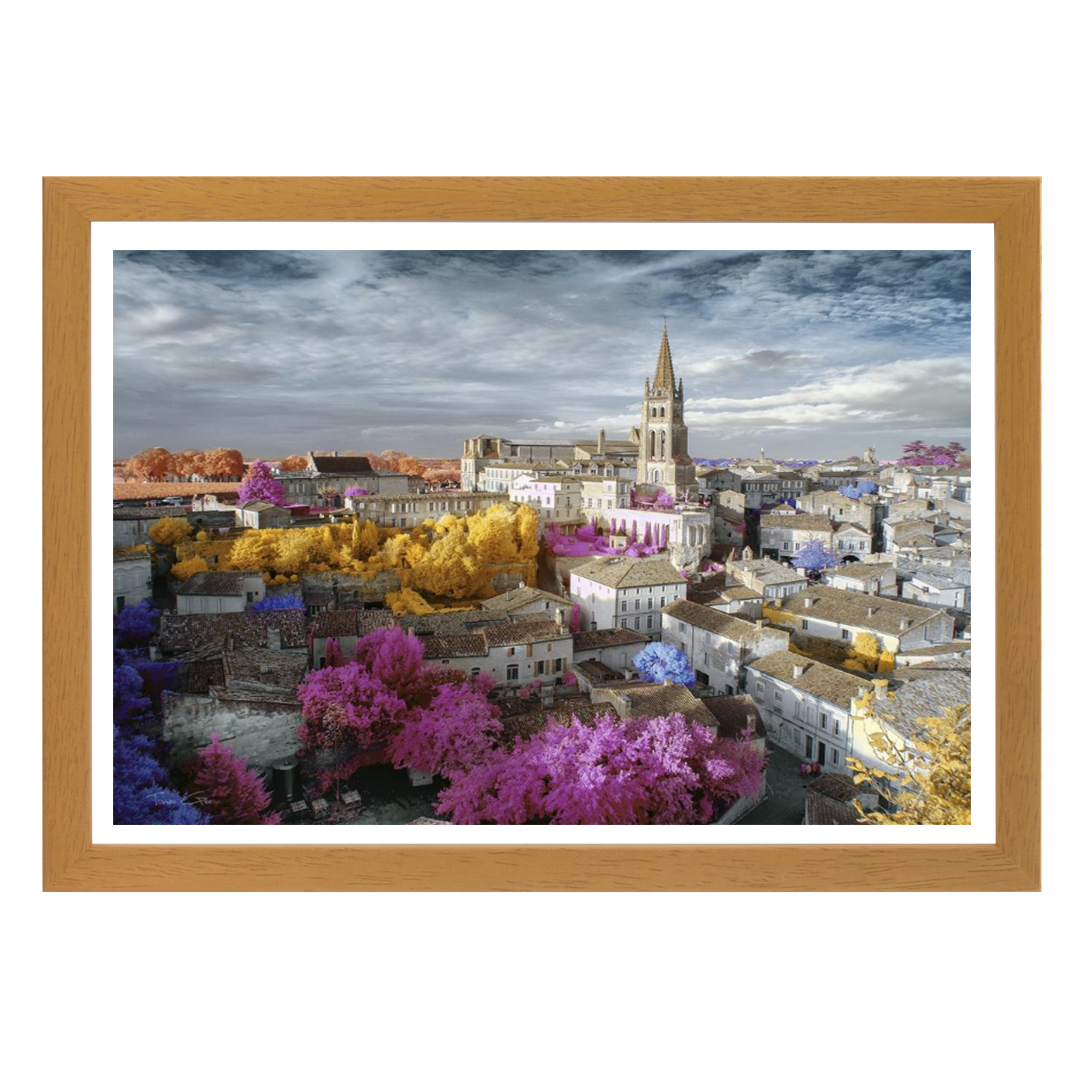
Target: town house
point(784, 534)
point(625, 592)
point(873, 579)
point(767, 578)
point(214, 592)
point(823, 612)
point(132, 581)
point(719, 646)
point(807, 706)
point(556, 499)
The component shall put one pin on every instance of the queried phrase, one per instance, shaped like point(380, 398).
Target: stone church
point(663, 457)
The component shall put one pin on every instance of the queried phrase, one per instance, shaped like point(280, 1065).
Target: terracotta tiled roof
point(805, 522)
point(268, 667)
point(449, 646)
point(818, 680)
point(214, 583)
point(628, 573)
point(162, 490)
point(860, 571)
point(449, 622)
point(733, 714)
point(185, 633)
point(828, 801)
point(523, 633)
point(589, 640)
point(349, 622)
point(649, 700)
point(878, 613)
point(718, 622)
point(130, 556)
point(518, 598)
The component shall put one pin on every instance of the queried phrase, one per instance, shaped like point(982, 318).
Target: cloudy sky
point(809, 354)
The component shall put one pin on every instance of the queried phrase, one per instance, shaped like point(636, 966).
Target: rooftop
point(829, 801)
point(518, 598)
point(341, 466)
point(878, 613)
point(817, 679)
point(807, 522)
point(185, 633)
point(733, 714)
point(717, 622)
point(627, 573)
point(590, 640)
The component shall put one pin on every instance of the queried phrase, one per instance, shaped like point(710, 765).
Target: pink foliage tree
point(357, 491)
point(388, 704)
point(644, 771)
point(259, 485)
point(575, 619)
point(223, 787)
point(664, 501)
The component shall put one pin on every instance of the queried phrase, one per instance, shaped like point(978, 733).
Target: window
point(648, 623)
point(538, 667)
point(824, 722)
point(786, 545)
point(511, 672)
point(778, 695)
point(805, 624)
point(622, 623)
point(510, 651)
point(475, 671)
point(845, 634)
point(623, 608)
point(649, 605)
point(558, 664)
point(637, 605)
point(637, 622)
point(809, 746)
point(836, 727)
point(836, 757)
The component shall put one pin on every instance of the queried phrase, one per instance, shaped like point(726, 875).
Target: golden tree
point(255, 550)
point(928, 776)
point(492, 533)
point(188, 568)
point(452, 567)
point(170, 531)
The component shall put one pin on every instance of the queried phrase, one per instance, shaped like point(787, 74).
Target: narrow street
point(786, 799)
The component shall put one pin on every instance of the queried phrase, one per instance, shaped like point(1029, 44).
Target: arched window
point(663, 445)
point(654, 410)
point(656, 476)
point(661, 410)
point(652, 444)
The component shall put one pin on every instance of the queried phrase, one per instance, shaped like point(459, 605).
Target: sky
point(807, 354)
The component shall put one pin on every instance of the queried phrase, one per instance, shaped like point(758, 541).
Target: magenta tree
point(223, 787)
point(644, 771)
point(919, 453)
point(259, 485)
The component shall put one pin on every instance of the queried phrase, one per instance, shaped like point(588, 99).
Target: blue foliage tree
point(658, 662)
point(140, 796)
point(815, 557)
point(281, 602)
point(135, 625)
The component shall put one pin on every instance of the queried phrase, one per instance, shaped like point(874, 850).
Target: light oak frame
point(72, 863)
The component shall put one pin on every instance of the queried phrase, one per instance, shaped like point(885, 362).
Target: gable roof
point(609, 638)
point(628, 573)
point(519, 598)
point(819, 680)
point(806, 522)
point(215, 583)
point(878, 613)
point(184, 633)
point(718, 622)
point(341, 466)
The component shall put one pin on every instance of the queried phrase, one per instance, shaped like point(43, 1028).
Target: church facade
point(663, 456)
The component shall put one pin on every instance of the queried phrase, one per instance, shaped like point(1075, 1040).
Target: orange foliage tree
point(293, 463)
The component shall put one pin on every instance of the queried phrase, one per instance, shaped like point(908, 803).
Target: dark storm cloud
point(280, 351)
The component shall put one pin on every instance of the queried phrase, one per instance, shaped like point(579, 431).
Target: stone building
point(328, 476)
point(625, 592)
point(719, 646)
point(131, 579)
point(409, 511)
point(663, 456)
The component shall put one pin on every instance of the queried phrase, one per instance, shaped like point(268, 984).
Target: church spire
point(665, 373)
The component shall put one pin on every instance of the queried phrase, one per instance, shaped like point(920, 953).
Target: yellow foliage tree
point(365, 539)
point(527, 530)
point(188, 567)
point(865, 651)
point(934, 778)
point(408, 602)
point(492, 532)
point(255, 550)
point(452, 567)
point(170, 531)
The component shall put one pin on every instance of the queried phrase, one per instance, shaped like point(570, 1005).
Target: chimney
point(881, 686)
point(759, 623)
point(668, 682)
point(905, 624)
point(798, 671)
point(521, 585)
point(869, 612)
point(808, 601)
point(273, 638)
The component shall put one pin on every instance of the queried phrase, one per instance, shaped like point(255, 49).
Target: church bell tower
point(663, 458)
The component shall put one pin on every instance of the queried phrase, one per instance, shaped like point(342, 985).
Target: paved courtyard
point(786, 799)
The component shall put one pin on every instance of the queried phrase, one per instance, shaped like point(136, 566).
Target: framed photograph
point(209, 301)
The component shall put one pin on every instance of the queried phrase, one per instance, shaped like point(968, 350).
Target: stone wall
point(264, 732)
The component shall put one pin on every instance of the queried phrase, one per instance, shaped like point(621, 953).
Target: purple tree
point(357, 491)
point(815, 557)
point(658, 662)
point(281, 602)
point(664, 501)
point(140, 796)
point(224, 787)
point(135, 625)
point(260, 486)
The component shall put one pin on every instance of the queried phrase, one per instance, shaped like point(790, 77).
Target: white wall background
point(529, 984)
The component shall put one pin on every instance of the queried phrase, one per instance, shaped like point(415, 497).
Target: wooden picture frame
point(72, 863)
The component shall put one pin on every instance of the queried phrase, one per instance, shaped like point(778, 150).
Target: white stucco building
point(625, 592)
